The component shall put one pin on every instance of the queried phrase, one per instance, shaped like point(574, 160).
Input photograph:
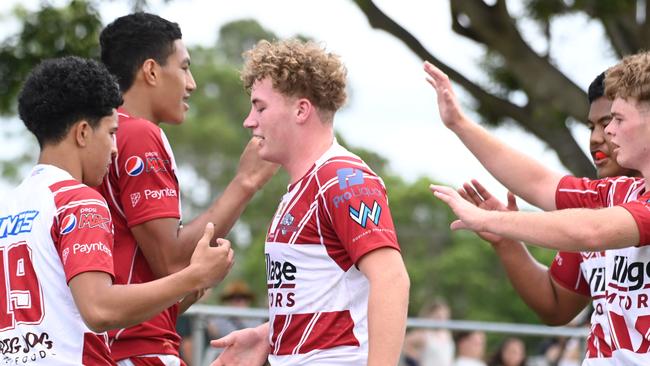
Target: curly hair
point(60, 92)
point(130, 40)
point(629, 78)
point(298, 69)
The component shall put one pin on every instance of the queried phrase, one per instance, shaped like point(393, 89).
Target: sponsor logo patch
point(135, 198)
point(68, 224)
point(159, 193)
point(361, 215)
point(134, 166)
point(16, 224)
point(349, 177)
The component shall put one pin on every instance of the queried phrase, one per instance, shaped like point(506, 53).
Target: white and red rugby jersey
point(141, 186)
point(318, 298)
point(52, 228)
point(620, 332)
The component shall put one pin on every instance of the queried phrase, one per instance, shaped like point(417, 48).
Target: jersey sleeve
point(575, 192)
point(83, 232)
point(357, 205)
point(640, 211)
point(147, 183)
point(565, 270)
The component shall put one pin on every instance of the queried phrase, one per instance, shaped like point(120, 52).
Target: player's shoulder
point(341, 163)
point(136, 127)
point(73, 192)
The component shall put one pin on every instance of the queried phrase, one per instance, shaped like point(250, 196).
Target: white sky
point(392, 110)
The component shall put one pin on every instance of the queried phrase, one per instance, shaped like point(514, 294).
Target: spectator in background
point(470, 348)
point(511, 352)
point(430, 347)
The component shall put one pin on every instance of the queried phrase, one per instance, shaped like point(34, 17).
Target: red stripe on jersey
point(95, 351)
point(596, 345)
point(303, 333)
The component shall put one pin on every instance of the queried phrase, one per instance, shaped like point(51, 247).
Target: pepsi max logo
point(68, 224)
point(134, 166)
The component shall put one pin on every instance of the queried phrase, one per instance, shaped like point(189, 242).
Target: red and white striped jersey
point(619, 279)
point(52, 228)
point(141, 185)
point(318, 298)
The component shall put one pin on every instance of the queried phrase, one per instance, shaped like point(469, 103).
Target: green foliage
point(456, 266)
point(49, 32)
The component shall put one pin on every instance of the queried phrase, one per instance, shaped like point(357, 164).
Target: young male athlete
point(557, 294)
point(623, 225)
point(152, 65)
point(337, 286)
point(56, 234)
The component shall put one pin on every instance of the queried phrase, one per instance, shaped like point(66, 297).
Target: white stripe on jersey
point(303, 222)
point(306, 332)
point(278, 340)
point(68, 188)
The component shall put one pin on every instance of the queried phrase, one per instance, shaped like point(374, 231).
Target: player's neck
point(306, 154)
point(137, 105)
point(61, 157)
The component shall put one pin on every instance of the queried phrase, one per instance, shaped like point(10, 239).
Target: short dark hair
point(597, 88)
point(132, 39)
point(61, 92)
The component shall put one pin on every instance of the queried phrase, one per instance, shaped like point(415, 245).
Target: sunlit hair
point(298, 69)
point(629, 78)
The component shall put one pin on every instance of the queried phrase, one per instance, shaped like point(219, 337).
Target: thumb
point(222, 342)
point(207, 235)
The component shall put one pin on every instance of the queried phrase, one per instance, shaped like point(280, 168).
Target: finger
point(458, 225)
point(481, 190)
point(464, 195)
point(477, 199)
point(512, 202)
point(225, 243)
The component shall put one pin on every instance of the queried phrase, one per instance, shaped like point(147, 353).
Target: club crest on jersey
point(361, 215)
point(285, 224)
point(68, 224)
point(349, 177)
point(134, 166)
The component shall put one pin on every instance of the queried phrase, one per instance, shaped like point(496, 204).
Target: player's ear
point(149, 71)
point(303, 109)
point(81, 131)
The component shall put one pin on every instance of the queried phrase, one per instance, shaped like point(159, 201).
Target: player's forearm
point(118, 306)
point(519, 173)
point(567, 230)
point(529, 278)
point(387, 310)
point(223, 213)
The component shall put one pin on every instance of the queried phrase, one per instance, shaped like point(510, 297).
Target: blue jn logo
point(364, 213)
point(349, 177)
point(16, 224)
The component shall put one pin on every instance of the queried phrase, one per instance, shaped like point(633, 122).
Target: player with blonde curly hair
point(337, 285)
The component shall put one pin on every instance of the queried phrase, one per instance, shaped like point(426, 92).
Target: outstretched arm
point(246, 347)
point(554, 304)
point(522, 175)
point(168, 248)
point(569, 230)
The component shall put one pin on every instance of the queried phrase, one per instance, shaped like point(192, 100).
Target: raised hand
point(476, 194)
point(469, 216)
point(448, 106)
point(252, 169)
